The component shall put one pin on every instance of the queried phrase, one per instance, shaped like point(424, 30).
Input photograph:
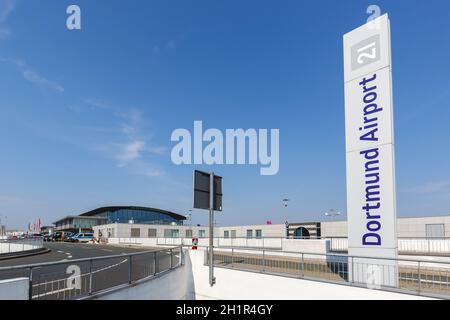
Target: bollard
point(30, 284)
point(130, 267)
point(156, 263)
point(232, 257)
point(90, 277)
point(264, 261)
point(419, 277)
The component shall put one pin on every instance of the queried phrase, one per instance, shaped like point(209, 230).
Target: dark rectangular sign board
point(202, 191)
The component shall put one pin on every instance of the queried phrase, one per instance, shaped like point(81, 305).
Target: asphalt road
point(70, 280)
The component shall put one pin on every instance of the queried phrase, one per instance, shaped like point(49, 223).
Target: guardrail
point(82, 278)
point(266, 242)
point(411, 276)
point(414, 246)
point(21, 245)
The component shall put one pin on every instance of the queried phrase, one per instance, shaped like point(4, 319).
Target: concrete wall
point(177, 284)
point(415, 227)
point(406, 227)
point(121, 230)
point(19, 246)
point(271, 230)
point(334, 229)
point(307, 246)
point(14, 289)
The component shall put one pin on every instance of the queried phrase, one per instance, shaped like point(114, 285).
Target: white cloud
point(35, 78)
point(31, 75)
point(4, 32)
point(128, 142)
point(130, 152)
point(171, 44)
point(6, 7)
point(97, 103)
point(430, 187)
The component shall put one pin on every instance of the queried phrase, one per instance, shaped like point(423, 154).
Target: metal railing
point(399, 275)
point(82, 278)
point(8, 246)
point(413, 246)
point(245, 242)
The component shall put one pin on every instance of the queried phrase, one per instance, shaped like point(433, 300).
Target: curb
point(23, 255)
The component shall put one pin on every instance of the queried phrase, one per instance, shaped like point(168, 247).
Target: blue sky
point(86, 116)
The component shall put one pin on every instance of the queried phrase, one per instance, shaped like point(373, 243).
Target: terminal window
point(188, 233)
point(249, 234)
point(226, 234)
point(435, 231)
point(201, 233)
point(135, 233)
point(171, 233)
point(258, 234)
point(152, 233)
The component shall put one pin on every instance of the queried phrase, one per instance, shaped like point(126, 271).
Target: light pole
point(285, 204)
point(189, 217)
point(3, 226)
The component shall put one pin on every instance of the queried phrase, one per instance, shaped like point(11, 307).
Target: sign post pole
point(208, 196)
point(211, 230)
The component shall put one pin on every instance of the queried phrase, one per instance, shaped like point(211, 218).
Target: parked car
point(71, 238)
point(61, 236)
point(83, 237)
point(48, 238)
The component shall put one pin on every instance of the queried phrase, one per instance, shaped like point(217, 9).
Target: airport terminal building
point(433, 227)
point(118, 214)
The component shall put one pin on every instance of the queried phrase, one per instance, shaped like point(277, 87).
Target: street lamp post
point(3, 226)
point(332, 213)
point(285, 203)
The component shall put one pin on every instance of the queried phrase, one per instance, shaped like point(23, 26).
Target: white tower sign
point(371, 202)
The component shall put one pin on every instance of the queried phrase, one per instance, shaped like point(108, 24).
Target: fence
point(266, 242)
point(13, 246)
point(403, 275)
point(81, 278)
point(415, 246)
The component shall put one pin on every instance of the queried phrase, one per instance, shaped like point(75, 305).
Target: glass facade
point(80, 223)
point(171, 233)
point(138, 216)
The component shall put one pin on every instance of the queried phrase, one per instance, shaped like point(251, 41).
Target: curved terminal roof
point(116, 208)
